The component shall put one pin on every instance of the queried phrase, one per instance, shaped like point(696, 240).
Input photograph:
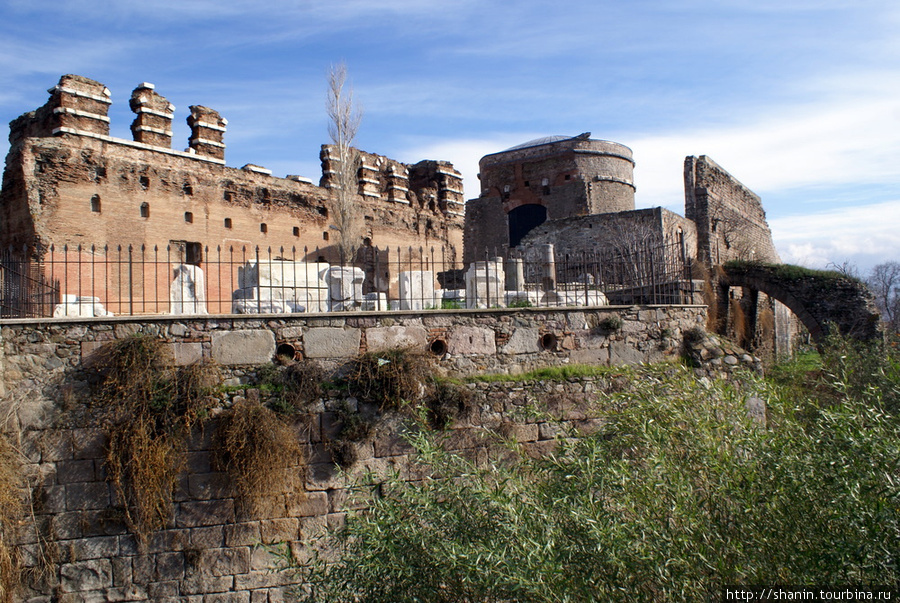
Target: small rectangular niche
point(227, 222)
point(189, 217)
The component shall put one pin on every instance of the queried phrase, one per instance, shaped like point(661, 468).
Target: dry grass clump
point(302, 383)
point(739, 322)
point(391, 379)
point(448, 402)
point(261, 454)
point(10, 515)
point(147, 408)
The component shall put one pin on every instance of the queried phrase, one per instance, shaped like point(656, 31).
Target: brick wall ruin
point(731, 221)
point(68, 182)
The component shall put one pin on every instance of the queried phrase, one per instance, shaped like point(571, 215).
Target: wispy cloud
point(864, 235)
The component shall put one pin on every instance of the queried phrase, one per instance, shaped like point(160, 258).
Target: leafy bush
point(520, 303)
point(611, 323)
point(680, 494)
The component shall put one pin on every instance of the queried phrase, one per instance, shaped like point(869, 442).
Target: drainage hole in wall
point(285, 350)
point(438, 347)
point(548, 341)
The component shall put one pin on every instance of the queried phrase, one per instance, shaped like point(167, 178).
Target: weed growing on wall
point(261, 454)
point(302, 383)
point(447, 402)
point(147, 408)
point(11, 511)
point(391, 379)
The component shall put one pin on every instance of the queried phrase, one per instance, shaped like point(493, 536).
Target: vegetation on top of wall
point(681, 493)
point(790, 272)
point(552, 373)
point(11, 510)
point(147, 407)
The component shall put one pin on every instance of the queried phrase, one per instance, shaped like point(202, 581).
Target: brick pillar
point(153, 123)
point(398, 184)
point(80, 104)
point(369, 184)
point(450, 191)
point(207, 131)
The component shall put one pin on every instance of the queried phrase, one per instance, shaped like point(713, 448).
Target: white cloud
point(864, 235)
point(851, 139)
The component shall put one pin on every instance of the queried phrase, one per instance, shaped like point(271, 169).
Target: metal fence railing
point(187, 279)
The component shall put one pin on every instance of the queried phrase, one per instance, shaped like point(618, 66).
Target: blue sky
point(798, 99)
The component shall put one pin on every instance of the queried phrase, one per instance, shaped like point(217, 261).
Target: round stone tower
point(546, 179)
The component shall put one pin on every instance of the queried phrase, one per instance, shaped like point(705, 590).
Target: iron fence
point(184, 278)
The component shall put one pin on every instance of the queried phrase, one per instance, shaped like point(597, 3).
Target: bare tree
point(884, 281)
point(344, 118)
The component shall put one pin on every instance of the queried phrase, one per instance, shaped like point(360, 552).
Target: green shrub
point(680, 494)
point(611, 323)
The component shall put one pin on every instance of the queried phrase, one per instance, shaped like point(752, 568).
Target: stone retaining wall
point(73, 540)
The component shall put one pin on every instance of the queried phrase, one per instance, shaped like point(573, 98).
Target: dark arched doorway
point(523, 219)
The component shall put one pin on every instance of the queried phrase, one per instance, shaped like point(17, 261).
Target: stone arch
point(818, 299)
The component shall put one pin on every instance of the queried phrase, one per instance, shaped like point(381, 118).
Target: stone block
point(94, 574)
point(308, 504)
point(68, 472)
point(279, 530)
point(224, 562)
point(94, 548)
point(485, 284)
point(242, 534)
point(345, 285)
point(283, 274)
point(242, 347)
point(169, 540)
point(523, 341)
point(621, 353)
point(74, 306)
point(88, 443)
point(209, 486)
point(187, 293)
point(471, 341)
point(88, 495)
point(239, 597)
point(590, 356)
point(386, 338)
point(331, 342)
point(169, 566)
point(205, 513)
point(186, 353)
point(212, 537)
point(203, 584)
point(416, 290)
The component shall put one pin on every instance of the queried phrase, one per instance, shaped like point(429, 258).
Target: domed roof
point(537, 142)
